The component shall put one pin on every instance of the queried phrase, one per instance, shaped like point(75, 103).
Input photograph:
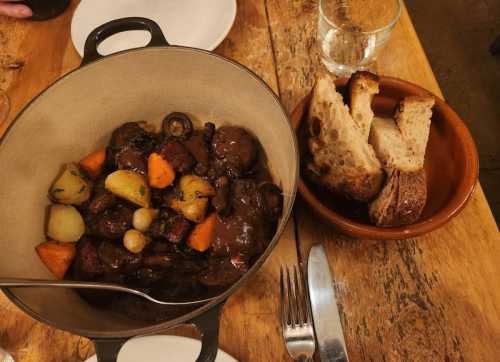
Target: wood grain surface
point(436, 297)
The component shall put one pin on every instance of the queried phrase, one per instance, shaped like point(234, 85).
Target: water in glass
point(352, 32)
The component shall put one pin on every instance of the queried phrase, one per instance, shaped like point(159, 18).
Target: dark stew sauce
point(246, 202)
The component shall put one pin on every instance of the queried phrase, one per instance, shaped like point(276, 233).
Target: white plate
point(163, 348)
point(195, 23)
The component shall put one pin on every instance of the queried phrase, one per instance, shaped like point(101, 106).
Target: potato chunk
point(71, 188)
point(129, 185)
point(194, 187)
point(193, 210)
point(195, 193)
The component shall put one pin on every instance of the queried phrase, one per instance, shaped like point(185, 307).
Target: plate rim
point(221, 352)
point(234, 10)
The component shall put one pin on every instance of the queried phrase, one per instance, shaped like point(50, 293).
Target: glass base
point(342, 70)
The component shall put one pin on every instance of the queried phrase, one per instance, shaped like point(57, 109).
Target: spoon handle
point(47, 283)
point(43, 283)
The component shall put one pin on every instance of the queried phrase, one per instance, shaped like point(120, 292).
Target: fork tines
point(294, 301)
point(297, 328)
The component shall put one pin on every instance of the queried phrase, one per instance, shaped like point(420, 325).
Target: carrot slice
point(160, 173)
point(56, 256)
point(203, 233)
point(94, 162)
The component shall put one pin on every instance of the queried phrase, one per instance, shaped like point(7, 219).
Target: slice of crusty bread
point(342, 159)
point(402, 199)
point(401, 149)
point(390, 147)
point(362, 87)
point(413, 118)
point(381, 210)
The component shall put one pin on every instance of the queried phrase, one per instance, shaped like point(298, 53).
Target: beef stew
point(181, 214)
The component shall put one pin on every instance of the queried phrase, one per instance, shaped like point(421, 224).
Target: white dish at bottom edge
point(162, 348)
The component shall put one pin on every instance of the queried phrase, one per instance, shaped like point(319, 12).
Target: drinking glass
point(351, 33)
point(45, 9)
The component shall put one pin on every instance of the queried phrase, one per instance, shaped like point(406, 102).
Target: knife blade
point(327, 325)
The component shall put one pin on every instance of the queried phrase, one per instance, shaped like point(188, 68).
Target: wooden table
point(435, 297)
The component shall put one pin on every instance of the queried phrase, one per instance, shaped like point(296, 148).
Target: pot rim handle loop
point(107, 349)
point(101, 33)
point(208, 326)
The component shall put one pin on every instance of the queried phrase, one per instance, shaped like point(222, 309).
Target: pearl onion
point(143, 218)
point(134, 241)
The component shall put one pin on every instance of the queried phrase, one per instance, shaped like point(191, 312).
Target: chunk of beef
point(161, 261)
point(125, 134)
point(146, 277)
point(222, 199)
point(246, 231)
point(217, 169)
point(113, 223)
point(87, 264)
point(271, 198)
point(132, 134)
point(158, 229)
point(245, 194)
point(208, 131)
point(116, 258)
point(159, 247)
point(178, 229)
point(102, 202)
point(177, 154)
point(236, 147)
point(169, 226)
point(199, 149)
point(129, 146)
point(102, 199)
point(131, 158)
point(220, 272)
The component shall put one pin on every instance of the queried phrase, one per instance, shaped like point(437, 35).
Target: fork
point(298, 331)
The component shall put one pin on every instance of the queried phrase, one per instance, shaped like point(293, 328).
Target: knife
point(325, 313)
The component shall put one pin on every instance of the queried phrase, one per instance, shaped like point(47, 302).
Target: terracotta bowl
point(451, 164)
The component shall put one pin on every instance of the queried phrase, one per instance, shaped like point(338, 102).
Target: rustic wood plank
point(417, 299)
point(38, 65)
point(249, 318)
point(29, 340)
point(431, 298)
point(293, 31)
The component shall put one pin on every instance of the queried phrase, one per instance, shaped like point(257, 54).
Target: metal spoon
point(43, 283)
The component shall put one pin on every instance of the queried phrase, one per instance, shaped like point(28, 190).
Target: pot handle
point(107, 350)
point(208, 326)
point(98, 35)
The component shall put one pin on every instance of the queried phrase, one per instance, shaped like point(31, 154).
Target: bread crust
point(362, 87)
point(364, 78)
point(412, 196)
point(402, 199)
